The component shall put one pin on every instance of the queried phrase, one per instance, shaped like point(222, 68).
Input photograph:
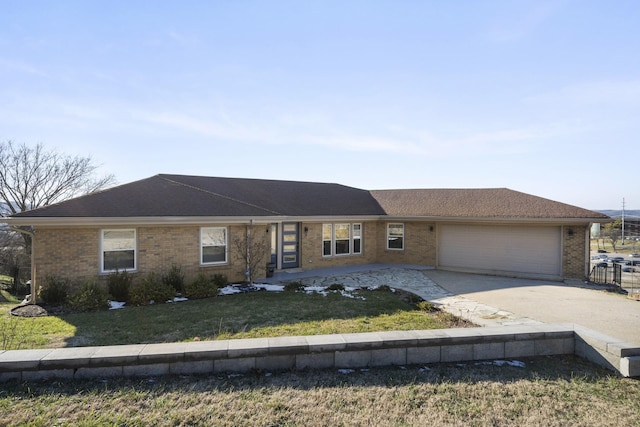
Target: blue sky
point(537, 96)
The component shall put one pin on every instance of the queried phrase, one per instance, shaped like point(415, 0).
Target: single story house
point(193, 221)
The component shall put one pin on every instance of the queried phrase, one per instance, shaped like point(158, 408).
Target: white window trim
point(333, 239)
point(330, 254)
point(135, 249)
point(389, 224)
point(353, 238)
point(226, 247)
point(349, 239)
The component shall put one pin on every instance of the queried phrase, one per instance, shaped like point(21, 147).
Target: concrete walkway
point(491, 300)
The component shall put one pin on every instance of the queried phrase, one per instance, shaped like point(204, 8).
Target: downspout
point(249, 273)
point(32, 300)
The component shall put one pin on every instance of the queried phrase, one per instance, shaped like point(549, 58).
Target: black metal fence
point(607, 274)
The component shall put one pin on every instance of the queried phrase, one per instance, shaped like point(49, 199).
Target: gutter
point(200, 220)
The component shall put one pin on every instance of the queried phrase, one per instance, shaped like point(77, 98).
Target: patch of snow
point(269, 288)
point(514, 363)
point(116, 305)
point(229, 290)
point(424, 369)
point(178, 299)
point(346, 371)
point(346, 294)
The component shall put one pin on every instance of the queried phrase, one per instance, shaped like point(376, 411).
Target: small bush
point(426, 306)
point(90, 297)
point(119, 284)
point(336, 287)
point(383, 288)
point(11, 336)
point(150, 290)
point(219, 280)
point(294, 286)
point(55, 291)
point(174, 278)
point(202, 286)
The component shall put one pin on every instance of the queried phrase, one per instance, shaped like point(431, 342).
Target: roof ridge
point(218, 194)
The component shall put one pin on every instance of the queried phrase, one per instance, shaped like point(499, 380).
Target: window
point(118, 250)
point(327, 235)
point(213, 245)
point(357, 238)
point(395, 236)
point(341, 239)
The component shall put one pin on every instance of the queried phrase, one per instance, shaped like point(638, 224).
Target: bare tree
point(613, 232)
point(252, 247)
point(33, 177)
point(13, 257)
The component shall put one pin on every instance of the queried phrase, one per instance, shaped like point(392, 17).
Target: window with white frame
point(357, 238)
point(395, 236)
point(118, 250)
point(341, 239)
point(213, 245)
point(327, 238)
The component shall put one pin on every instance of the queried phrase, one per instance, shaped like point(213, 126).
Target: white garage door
point(501, 249)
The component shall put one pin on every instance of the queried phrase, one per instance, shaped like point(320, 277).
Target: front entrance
point(290, 245)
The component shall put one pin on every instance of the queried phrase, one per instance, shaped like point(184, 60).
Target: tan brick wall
point(311, 246)
point(419, 244)
point(574, 247)
point(75, 253)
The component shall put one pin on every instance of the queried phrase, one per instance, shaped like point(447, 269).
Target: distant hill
point(631, 214)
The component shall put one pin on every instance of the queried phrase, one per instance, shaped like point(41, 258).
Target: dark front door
point(290, 245)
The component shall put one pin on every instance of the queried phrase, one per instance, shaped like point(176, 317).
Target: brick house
point(191, 221)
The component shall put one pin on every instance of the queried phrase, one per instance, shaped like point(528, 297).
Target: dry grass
point(548, 391)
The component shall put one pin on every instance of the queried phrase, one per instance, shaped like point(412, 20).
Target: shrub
point(202, 286)
point(294, 286)
point(219, 280)
point(150, 290)
point(90, 297)
point(336, 287)
point(427, 306)
point(119, 284)
point(55, 291)
point(174, 278)
point(383, 288)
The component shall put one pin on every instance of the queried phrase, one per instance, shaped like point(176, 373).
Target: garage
point(527, 251)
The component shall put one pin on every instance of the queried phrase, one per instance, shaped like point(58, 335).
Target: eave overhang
point(198, 220)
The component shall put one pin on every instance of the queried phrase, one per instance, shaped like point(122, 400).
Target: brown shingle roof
point(476, 203)
point(180, 196)
point(194, 196)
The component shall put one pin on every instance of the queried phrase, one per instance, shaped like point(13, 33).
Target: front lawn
point(256, 314)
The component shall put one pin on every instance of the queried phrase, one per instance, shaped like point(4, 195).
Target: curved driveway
point(547, 301)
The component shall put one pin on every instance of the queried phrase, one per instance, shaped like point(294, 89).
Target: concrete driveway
point(546, 301)
point(492, 300)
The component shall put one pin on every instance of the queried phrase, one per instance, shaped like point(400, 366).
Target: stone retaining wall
point(322, 351)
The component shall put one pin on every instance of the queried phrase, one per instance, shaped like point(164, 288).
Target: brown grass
point(549, 391)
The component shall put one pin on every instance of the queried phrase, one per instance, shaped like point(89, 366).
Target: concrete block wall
point(357, 350)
